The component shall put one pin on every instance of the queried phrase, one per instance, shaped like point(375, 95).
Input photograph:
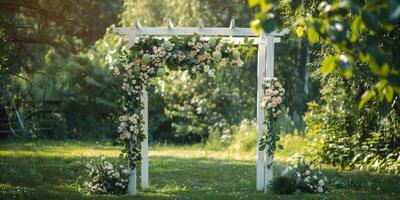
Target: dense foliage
point(360, 39)
point(46, 70)
point(344, 25)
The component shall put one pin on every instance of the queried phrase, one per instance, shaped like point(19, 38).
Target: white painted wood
point(170, 25)
point(232, 24)
point(200, 24)
point(132, 182)
point(235, 40)
point(269, 74)
point(217, 31)
point(144, 170)
point(260, 115)
point(137, 24)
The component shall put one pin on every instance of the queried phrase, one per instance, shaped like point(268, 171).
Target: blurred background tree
point(73, 93)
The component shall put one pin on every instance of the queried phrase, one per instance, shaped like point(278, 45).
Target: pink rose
point(133, 119)
point(116, 71)
point(269, 92)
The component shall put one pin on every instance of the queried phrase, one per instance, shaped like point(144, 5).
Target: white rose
point(321, 182)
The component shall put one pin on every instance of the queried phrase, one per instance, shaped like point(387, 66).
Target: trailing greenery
point(271, 103)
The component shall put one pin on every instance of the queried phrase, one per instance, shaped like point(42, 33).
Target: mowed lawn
point(51, 170)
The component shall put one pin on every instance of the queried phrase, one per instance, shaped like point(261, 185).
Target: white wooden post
point(269, 74)
point(260, 114)
point(144, 170)
point(132, 182)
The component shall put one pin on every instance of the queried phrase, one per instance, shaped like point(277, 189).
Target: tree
point(345, 25)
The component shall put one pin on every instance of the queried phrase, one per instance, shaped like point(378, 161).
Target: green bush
point(349, 138)
point(282, 185)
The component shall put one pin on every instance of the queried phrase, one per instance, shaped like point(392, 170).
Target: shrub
point(105, 177)
point(283, 185)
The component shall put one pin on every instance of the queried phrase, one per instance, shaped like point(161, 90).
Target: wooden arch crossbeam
point(265, 69)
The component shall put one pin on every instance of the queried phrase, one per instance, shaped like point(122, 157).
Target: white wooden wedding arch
point(265, 69)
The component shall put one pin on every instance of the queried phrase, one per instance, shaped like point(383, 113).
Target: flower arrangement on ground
point(302, 175)
point(105, 177)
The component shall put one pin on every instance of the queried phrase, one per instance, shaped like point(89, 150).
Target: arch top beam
point(204, 31)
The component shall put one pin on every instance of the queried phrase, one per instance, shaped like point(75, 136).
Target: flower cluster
point(152, 57)
point(273, 93)
point(106, 177)
point(307, 176)
point(271, 102)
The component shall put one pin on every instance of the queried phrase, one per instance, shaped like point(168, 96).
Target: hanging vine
point(271, 102)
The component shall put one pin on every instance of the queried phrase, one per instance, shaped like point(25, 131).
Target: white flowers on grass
point(307, 177)
point(106, 177)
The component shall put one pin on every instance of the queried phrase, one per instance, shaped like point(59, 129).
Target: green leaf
point(269, 25)
point(384, 108)
point(355, 28)
point(388, 92)
point(312, 35)
point(385, 70)
point(328, 65)
point(300, 31)
point(394, 80)
point(253, 3)
point(370, 20)
point(256, 26)
point(366, 97)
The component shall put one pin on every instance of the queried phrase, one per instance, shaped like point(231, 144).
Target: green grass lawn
point(55, 170)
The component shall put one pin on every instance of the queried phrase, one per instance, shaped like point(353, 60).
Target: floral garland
point(153, 57)
point(271, 102)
